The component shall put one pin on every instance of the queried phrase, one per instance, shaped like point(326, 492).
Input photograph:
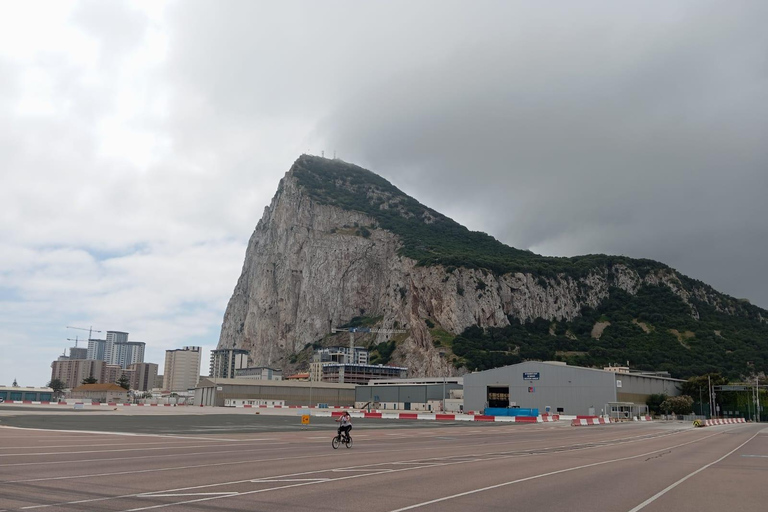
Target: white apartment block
point(182, 369)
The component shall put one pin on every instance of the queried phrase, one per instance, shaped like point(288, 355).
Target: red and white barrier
point(582, 421)
point(723, 421)
point(645, 418)
point(109, 404)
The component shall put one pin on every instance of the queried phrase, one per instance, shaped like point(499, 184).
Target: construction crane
point(353, 330)
point(75, 340)
point(90, 330)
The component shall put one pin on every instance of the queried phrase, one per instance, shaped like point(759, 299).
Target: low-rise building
point(355, 373)
point(433, 394)
point(33, 394)
point(571, 390)
point(101, 393)
point(259, 373)
point(217, 392)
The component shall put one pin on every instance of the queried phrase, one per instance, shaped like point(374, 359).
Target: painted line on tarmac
point(372, 472)
point(193, 494)
point(754, 455)
point(268, 481)
point(665, 491)
point(301, 484)
point(616, 441)
point(542, 475)
point(120, 450)
point(130, 434)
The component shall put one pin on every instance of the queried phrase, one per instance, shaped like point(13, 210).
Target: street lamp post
point(443, 392)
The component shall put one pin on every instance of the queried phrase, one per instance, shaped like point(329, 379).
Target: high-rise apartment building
point(127, 353)
point(96, 349)
point(182, 369)
point(113, 337)
point(225, 361)
point(144, 375)
point(73, 371)
point(116, 349)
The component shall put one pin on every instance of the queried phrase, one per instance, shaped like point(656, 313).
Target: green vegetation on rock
point(733, 345)
point(654, 329)
point(430, 237)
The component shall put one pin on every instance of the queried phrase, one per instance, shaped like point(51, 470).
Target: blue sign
point(530, 375)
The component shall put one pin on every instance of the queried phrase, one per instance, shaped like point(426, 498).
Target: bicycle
point(342, 438)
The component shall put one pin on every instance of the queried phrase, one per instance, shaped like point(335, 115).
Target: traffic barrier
point(723, 421)
point(582, 421)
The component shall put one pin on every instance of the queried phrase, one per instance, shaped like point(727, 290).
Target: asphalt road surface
point(224, 462)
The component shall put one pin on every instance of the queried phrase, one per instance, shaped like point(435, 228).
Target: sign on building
point(530, 375)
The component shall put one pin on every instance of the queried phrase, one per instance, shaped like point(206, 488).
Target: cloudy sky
point(140, 142)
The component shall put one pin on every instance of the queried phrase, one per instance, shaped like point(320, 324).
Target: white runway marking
point(301, 484)
point(494, 455)
point(89, 432)
point(665, 491)
point(276, 480)
point(186, 494)
point(560, 471)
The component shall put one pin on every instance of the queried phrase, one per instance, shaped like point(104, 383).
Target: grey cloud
point(623, 133)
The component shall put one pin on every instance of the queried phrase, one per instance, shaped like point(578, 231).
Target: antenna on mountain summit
point(322, 154)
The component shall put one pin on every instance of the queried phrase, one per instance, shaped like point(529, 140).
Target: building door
point(407, 406)
point(498, 396)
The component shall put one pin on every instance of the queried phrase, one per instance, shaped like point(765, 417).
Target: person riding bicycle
point(345, 424)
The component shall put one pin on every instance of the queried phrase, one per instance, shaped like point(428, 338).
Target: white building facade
point(182, 369)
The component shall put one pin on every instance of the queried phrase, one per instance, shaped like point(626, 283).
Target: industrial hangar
point(550, 387)
point(242, 391)
point(413, 394)
point(569, 390)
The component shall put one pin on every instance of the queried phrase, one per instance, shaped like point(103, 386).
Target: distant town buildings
point(349, 366)
point(343, 373)
point(144, 376)
point(225, 361)
point(116, 349)
point(72, 371)
point(340, 355)
point(78, 353)
point(259, 373)
point(182, 369)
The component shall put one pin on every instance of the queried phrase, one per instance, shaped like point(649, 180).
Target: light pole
point(443, 391)
point(701, 404)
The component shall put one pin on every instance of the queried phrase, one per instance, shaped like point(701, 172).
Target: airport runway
point(209, 463)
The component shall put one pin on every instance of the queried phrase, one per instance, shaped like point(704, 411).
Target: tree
point(682, 404)
point(57, 385)
point(90, 380)
point(124, 382)
point(654, 402)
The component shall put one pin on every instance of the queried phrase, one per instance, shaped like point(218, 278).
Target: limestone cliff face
point(309, 267)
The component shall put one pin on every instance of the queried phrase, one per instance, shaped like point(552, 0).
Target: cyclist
point(345, 424)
